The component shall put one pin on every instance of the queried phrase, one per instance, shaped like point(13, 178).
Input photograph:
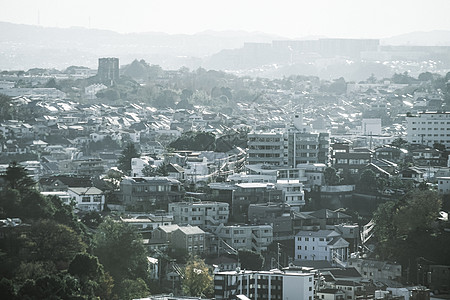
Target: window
point(86, 199)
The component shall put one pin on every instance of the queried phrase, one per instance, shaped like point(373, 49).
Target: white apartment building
point(321, 245)
point(428, 128)
point(264, 285)
point(266, 148)
point(443, 185)
point(148, 223)
point(202, 214)
point(87, 198)
point(292, 193)
point(253, 237)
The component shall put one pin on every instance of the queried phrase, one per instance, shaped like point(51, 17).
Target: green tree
point(385, 230)
point(132, 289)
point(7, 289)
point(161, 170)
point(250, 260)
point(17, 177)
point(92, 277)
point(199, 141)
point(367, 182)
point(85, 266)
point(120, 250)
point(92, 219)
point(149, 171)
point(399, 224)
point(419, 212)
point(53, 286)
point(47, 240)
point(399, 142)
point(124, 162)
point(427, 76)
point(439, 146)
point(6, 108)
point(197, 280)
point(339, 86)
point(331, 177)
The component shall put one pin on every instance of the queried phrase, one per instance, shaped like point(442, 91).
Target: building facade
point(293, 194)
point(108, 70)
point(264, 285)
point(266, 148)
point(376, 270)
point(190, 238)
point(254, 237)
point(203, 214)
point(87, 198)
point(321, 245)
point(149, 193)
point(428, 128)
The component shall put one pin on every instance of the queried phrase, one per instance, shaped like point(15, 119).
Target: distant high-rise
point(108, 70)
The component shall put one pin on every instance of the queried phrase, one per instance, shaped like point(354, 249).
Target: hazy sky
point(288, 18)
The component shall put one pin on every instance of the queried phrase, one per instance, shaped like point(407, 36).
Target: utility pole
point(278, 255)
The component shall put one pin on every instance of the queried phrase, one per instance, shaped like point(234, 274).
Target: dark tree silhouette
point(124, 162)
point(17, 177)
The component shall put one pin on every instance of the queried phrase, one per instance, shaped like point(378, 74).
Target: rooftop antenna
point(39, 18)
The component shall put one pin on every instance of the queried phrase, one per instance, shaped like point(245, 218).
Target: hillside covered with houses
point(145, 175)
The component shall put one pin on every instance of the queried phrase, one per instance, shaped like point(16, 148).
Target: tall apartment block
point(428, 128)
point(266, 148)
point(305, 146)
point(108, 70)
point(295, 145)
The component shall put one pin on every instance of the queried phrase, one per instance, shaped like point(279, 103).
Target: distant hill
point(420, 38)
point(27, 46)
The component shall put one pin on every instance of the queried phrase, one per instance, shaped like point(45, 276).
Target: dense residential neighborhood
point(297, 188)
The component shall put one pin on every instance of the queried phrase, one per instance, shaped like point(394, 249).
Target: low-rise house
point(427, 156)
point(250, 193)
point(87, 198)
point(321, 245)
point(390, 153)
point(319, 219)
point(351, 289)
point(63, 183)
point(199, 213)
point(175, 171)
point(149, 193)
point(292, 193)
point(224, 263)
point(254, 237)
point(346, 160)
point(147, 223)
point(412, 174)
point(330, 294)
point(376, 270)
point(314, 174)
point(190, 238)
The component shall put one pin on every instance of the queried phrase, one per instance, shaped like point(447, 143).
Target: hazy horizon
point(285, 18)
